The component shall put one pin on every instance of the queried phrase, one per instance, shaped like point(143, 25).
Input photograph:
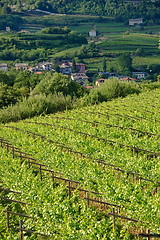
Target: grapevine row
point(100, 161)
point(70, 188)
point(109, 125)
point(133, 149)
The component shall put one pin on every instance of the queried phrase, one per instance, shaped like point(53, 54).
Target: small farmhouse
point(127, 79)
point(88, 87)
point(65, 68)
point(3, 67)
point(81, 78)
point(8, 29)
point(140, 75)
point(93, 33)
point(108, 74)
point(136, 21)
point(46, 66)
point(21, 66)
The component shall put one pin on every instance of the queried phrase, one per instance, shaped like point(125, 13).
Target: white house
point(81, 78)
point(93, 33)
point(65, 68)
point(46, 66)
point(22, 66)
point(136, 21)
point(4, 67)
point(139, 75)
point(8, 29)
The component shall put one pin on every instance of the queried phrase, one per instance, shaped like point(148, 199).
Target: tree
point(154, 68)
point(6, 10)
point(74, 69)
point(92, 46)
point(104, 68)
point(125, 61)
point(6, 79)
point(139, 52)
point(75, 37)
point(8, 95)
point(56, 30)
point(92, 49)
point(83, 52)
point(44, 5)
point(55, 83)
point(56, 68)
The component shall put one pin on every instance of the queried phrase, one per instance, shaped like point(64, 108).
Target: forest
point(121, 9)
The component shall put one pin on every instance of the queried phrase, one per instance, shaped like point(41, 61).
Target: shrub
point(35, 106)
point(110, 89)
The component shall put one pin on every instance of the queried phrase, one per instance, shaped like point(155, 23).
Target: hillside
point(74, 163)
point(122, 9)
point(108, 152)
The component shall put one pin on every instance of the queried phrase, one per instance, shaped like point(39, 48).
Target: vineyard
point(131, 42)
point(88, 173)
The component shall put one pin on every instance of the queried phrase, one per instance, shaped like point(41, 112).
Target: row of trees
point(23, 55)
point(56, 30)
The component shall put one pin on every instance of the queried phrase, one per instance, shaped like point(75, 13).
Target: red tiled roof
point(127, 78)
point(38, 72)
point(89, 87)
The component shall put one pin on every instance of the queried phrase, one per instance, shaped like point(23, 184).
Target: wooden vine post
point(40, 171)
point(69, 189)
point(87, 197)
point(13, 152)
point(53, 179)
point(148, 232)
point(21, 229)
point(29, 165)
point(7, 219)
point(7, 147)
point(114, 219)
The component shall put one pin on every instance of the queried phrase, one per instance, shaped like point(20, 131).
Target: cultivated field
point(89, 173)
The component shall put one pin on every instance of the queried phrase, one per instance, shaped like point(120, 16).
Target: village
point(77, 73)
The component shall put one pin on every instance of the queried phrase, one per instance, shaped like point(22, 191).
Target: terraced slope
point(112, 149)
